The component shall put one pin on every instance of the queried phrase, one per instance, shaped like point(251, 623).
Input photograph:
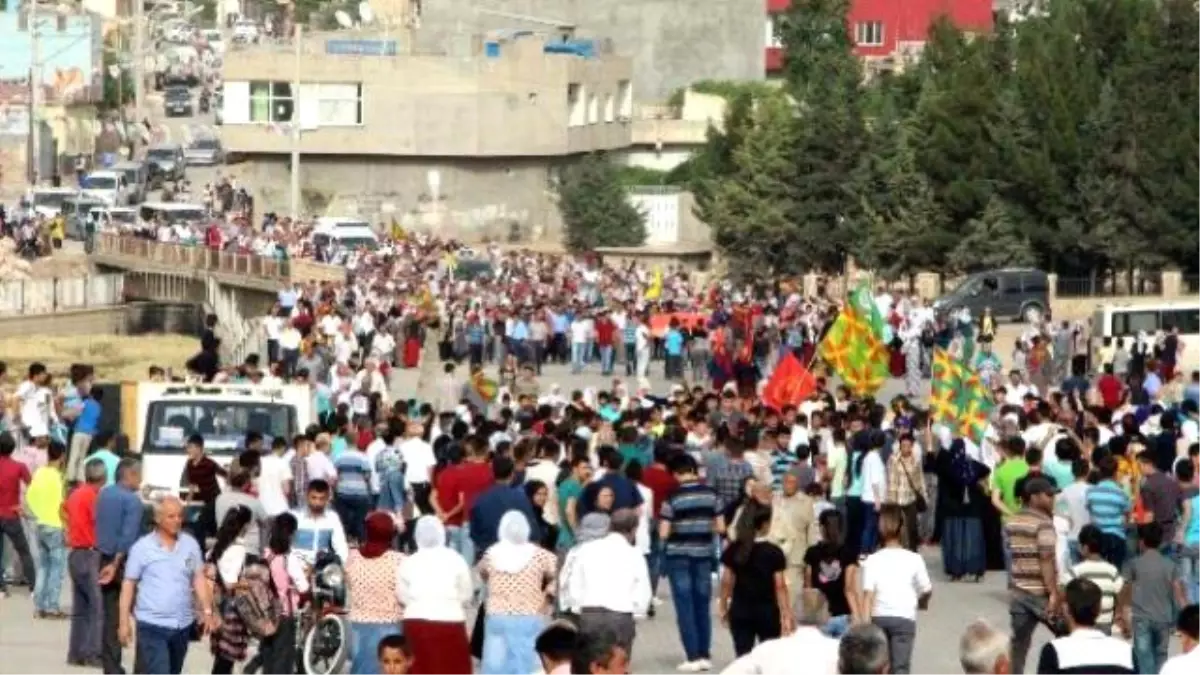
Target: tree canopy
point(595, 206)
point(1067, 140)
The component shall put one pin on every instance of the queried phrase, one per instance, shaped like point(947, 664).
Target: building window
point(593, 109)
point(772, 37)
point(339, 105)
point(610, 108)
point(624, 100)
point(868, 33)
point(576, 106)
point(271, 101)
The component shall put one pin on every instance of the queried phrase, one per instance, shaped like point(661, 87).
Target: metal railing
point(46, 296)
point(202, 258)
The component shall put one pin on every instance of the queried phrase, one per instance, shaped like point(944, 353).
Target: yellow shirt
point(44, 496)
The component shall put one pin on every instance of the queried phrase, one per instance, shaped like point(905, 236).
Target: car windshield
point(223, 424)
point(183, 215)
point(162, 153)
point(51, 199)
point(100, 183)
point(177, 93)
point(206, 144)
point(123, 216)
point(358, 242)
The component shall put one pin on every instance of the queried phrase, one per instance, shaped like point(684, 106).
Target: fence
point(44, 296)
point(202, 258)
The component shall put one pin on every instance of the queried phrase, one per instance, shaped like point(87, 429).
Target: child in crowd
point(1097, 570)
point(395, 658)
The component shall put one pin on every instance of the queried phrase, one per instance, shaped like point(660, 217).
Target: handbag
point(921, 503)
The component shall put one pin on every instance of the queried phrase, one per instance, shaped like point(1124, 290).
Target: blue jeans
point(691, 590)
point(364, 641)
point(53, 553)
point(1189, 571)
point(578, 356)
point(870, 530)
point(458, 538)
point(1150, 640)
point(606, 360)
point(160, 650)
point(654, 560)
point(837, 626)
point(508, 644)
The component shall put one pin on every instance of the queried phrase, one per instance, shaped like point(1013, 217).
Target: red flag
point(790, 384)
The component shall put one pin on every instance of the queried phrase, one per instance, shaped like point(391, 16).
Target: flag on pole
point(854, 346)
point(790, 384)
point(654, 291)
point(958, 397)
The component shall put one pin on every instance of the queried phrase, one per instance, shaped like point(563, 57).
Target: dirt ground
point(115, 357)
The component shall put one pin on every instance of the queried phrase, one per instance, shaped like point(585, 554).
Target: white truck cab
point(109, 187)
point(169, 413)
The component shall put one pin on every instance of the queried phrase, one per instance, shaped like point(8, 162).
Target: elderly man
point(165, 591)
point(807, 644)
point(83, 563)
point(983, 649)
point(611, 581)
point(863, 651)
point(792, 527)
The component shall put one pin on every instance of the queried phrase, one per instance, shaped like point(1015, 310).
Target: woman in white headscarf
point(520, 580)
point(434, 586)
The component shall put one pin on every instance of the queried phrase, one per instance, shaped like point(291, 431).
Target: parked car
point(167, 161)
point(177, 101)
point(1013, 293)
point(245, 30)
point(137, 177)
point(204, 151)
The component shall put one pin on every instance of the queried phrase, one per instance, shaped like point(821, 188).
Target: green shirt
point(1060, 472)
point(567, 490)
point(1005, 479)
point(641, 451)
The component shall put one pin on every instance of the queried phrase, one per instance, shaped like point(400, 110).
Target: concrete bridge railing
point(235, 269)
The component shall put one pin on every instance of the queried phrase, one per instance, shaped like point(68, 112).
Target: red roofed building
point(884, 28)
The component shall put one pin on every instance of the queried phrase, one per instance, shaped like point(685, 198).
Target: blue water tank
point(491, 49)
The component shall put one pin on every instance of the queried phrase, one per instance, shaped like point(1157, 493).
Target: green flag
point(868, 312)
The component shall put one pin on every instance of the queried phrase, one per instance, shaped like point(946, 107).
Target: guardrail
point(204, 259)
point(46, 296)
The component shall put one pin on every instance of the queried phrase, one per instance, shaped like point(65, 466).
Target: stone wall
point(132, 319)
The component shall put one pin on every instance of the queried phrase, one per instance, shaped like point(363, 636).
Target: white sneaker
point(703, 664)
point(689, 667)
point(656, 601)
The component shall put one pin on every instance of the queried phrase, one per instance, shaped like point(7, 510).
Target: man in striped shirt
point(1108, 506)
point(1034, 597)
point(689, 520)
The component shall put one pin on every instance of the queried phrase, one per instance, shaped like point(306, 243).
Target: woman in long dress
point(961, 504)
point(434, 586)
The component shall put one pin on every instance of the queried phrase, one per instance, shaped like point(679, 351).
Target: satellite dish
point(365, 12)
point(343, 19)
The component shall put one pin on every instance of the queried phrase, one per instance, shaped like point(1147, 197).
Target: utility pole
point(35, 95)
point(295, 187)
point(139, 60)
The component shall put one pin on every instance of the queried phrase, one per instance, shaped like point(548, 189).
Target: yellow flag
point(654, 292)
point(398, 232)
point(451, 261)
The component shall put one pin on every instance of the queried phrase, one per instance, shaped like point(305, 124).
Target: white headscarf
point(512, 552)
point(429, 533)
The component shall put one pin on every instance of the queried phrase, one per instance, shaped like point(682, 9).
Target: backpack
point(256, 600)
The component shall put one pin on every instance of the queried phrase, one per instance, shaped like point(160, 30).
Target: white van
point(169, 413)
point(109, 187)
point(46, 201)
point(1128, 320)
point(350, 233)
point(172, 212)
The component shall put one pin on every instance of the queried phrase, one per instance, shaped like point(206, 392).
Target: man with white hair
point(807, 644)
point(983, 649)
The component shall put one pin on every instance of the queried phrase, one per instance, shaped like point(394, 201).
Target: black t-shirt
point(754, 580)
point(828, 566)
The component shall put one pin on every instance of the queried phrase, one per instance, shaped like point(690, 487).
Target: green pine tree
point(595, 206)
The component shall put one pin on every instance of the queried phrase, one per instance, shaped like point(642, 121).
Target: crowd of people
point(508, 526)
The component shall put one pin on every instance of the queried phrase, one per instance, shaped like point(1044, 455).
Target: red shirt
point(661, 483)
point(473, 479)
point(605, 331)
point(1110, 388)
point(446, 484)
point(12, 475)
point(80, 522)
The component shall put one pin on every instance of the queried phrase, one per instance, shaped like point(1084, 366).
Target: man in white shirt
point(1014, 393)
point(610, 582)
point(419, 461)
point(807, 645)
point(318, 527)
point(1189, 636)
point(36, 404)
point(275, 479)
point(581, 335)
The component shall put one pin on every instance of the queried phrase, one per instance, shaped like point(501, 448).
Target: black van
point(1014, 293)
